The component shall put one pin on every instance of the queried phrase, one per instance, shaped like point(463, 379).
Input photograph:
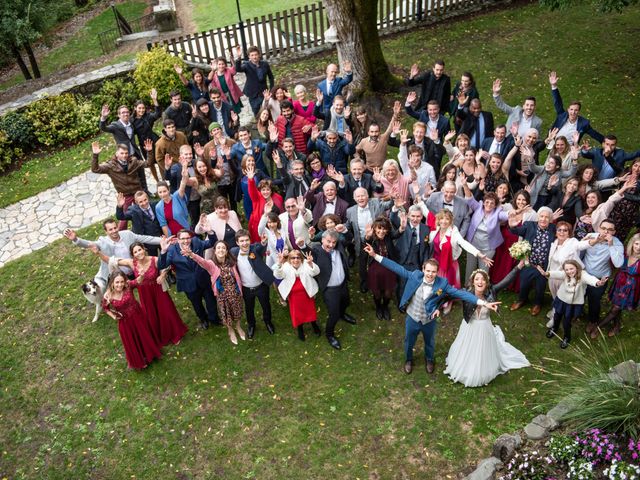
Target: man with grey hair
point(447, 199)
point(326, 201)
point(333, 281)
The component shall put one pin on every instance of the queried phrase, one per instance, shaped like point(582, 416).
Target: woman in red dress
point(140, 346)
point(260, 195)
point(164, 319)
point(299, 287)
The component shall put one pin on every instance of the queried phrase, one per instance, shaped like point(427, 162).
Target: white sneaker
point(550, 323)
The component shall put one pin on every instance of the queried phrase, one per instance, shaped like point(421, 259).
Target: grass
point(225, 12)
point(270, 408)
point(84, 45)
point(46, 170)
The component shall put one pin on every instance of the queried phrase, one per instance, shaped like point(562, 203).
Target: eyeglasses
point(562, 230)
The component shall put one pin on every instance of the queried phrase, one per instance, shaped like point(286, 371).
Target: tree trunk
point(32, 60)
point(355, 22)
point(23, 67)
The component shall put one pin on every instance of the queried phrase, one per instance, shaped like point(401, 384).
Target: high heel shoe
point(615, 330)
point(316, 328)
point(232, 336)
point(241, 332)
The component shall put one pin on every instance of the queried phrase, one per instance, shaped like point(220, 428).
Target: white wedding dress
point(480, 353)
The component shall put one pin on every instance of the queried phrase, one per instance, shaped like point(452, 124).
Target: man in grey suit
point(523, 116)
point(114, 244)
point(448, 199)
point(359, 219)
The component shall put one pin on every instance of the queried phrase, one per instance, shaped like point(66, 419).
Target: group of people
point(320, 195)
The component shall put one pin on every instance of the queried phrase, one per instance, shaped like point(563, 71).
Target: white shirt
point(247, 274)
point(567, 131)
point(364, 218)
point(337, 270)
point(524, 125)
point(330, 208)
point(495, 147)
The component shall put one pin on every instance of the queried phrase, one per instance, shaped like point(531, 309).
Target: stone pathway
point(36, 222)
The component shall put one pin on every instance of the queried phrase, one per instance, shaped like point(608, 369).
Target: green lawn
point(269, 408)
point(84, 45)
point(208, 14)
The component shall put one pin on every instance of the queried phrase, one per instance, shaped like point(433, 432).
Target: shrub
point(19, 130)
point(527, 466)
point(61, 118)
point(8, 153)
point(114, 93)
point(155, 70)
point(563, 449)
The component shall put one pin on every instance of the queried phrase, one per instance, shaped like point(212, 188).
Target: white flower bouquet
point(520, 250)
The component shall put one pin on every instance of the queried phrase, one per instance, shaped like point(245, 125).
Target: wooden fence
point(302, 29)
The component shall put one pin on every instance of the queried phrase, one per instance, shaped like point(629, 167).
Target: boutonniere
point(426, 239)
point(252, 255)
point(439, 292)
point(256, 150)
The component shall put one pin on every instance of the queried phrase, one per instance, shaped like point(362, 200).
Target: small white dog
point(93, 293)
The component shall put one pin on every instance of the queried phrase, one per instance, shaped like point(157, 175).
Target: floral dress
point(229, 297)
point(625, 289)
point(624, 215)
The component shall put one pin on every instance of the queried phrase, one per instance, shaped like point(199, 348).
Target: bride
point(480, 353)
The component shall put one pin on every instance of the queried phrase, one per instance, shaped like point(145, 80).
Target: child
point(570, 296)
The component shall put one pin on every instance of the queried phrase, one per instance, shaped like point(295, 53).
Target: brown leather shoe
point(535, 310)
point(431, 366)
point(516, 306)
point(408, 367)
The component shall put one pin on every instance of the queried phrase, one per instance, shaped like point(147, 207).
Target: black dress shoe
point(316, 328)
point(301, 333)
point(386, 313)
point(333, 341)
point(348, 318)
point(564, 343)
point(379, 312)
point(251, 331)
point(270, 328)
point(204, 325)
point(363, 289)
point(551, 333)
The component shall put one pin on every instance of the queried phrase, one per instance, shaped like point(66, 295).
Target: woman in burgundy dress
point(381, 282)
point(164, 319)
point(299, 287)
point(140, 346)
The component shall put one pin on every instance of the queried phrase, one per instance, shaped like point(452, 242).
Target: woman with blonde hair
point(394, 184)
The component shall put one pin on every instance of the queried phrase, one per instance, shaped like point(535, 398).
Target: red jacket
point(299, 137)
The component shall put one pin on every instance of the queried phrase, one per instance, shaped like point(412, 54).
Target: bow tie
point(329, 202)
point(244, 254)
point(428, 284)
point(447, 204)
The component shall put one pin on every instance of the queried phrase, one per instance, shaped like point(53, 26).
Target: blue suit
point(336, 89)
point(257, 149)
point(422, 116)
point(612, 166)
point(584, 126)
point(441, 292)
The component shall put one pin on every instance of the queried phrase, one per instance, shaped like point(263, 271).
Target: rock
point(559, 411)
point(540, 427)
point(485, 470)
point(505, 446)
point(626, 372)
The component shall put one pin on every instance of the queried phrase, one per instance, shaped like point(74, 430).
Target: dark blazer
point(336, 89)
point(189, 275)
point(443, 122)
point(433, 152)
point(584, 126)
point(257, 262)
point(528, 232)
point(403, 243)
point(505, 147)
point(226, 109)
point(432, 89)
point(323, 260)
point(143, 126)
point(257, 76)
point(293, 188)
point(470, 122)
point(317, 201)
point(119, 133)
point(350, 185)
point(141, 223)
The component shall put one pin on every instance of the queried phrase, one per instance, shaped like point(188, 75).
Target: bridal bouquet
point(520, 250)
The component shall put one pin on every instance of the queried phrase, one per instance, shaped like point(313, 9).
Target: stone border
point(539, 428)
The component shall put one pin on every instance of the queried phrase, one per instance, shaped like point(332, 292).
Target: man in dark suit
point(122, 129)
point(435, 85)
point(332, 85)
point(475, 123)
point(333, 281)
point(569, 121)
point(221, 111)
point(499, 143)
point(191, 278)
point(295, 181)
point(142, 216)
point(430, 117)
point(358, 178)
point(256, 278)
point(257, 72)
point(325, 202)
point(448, 199)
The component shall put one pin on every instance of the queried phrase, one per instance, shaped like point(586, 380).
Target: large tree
point(356, 26)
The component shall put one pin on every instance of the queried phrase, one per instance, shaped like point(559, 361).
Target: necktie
point(477, 132)
point(359, 183)
point(149, 213)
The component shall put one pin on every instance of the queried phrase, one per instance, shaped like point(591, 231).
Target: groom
point(423, 295)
